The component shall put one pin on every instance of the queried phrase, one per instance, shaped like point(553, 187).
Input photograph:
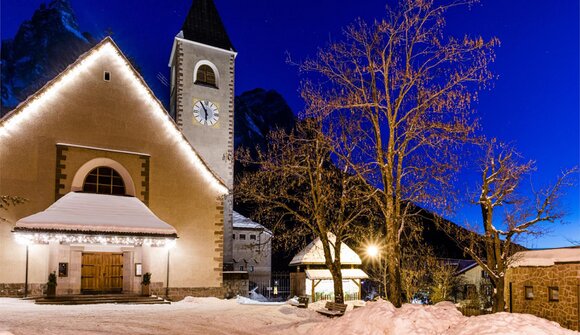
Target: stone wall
point(564, 276)
point(17, 290)
point(236, 283)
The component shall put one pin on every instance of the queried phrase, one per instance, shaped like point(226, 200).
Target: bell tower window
point(104, 180)
point(205, 76)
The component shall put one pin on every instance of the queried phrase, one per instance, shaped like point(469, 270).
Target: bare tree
point(297, 181)
point(502, 173)
point(10, 200)
point(407, 89)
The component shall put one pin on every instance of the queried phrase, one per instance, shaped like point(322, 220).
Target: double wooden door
point(102, 272)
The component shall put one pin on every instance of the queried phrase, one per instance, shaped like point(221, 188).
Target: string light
point(36, 104)
point(45, 238)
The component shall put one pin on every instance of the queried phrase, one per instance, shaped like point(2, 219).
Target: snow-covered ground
point(214, 316)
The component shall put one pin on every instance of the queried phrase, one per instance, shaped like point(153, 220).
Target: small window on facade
point(242, 236)
point(529, 292)
point(234, 236)
point(553, 293)
point(104, 180)
point(107, 76)
point(241, 268)
point(205, 76)
point(251, 268)
point(252, 237)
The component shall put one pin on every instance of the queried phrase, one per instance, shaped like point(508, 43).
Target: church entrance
point(102, 272)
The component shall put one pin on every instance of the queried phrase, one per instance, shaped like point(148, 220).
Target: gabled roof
point(314, 254)
point(546, 257)
point(12, 121)
point(242, 222)
point(204, 25)
point(96, 213)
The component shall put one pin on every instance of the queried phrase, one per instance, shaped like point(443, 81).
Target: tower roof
point(204, 25)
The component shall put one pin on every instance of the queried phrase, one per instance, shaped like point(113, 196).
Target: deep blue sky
point(534, 104)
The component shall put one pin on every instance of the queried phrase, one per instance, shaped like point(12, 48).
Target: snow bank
point(383, 318)
point(509, 324)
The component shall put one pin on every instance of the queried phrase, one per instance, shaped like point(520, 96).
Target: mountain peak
point(42, 48)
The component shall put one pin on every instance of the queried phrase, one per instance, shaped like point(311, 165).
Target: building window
point(252, 237)
point(529, 292)
point(205, 76)
point(104, 180)
point(251, 268)
point(107, 76)
point(242, 236)
point(234, 236)
point(553, 293)
point(241, 268)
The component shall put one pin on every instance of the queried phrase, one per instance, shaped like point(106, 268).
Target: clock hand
point(205, 110)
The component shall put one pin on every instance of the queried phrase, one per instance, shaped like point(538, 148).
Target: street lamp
point(374, 251)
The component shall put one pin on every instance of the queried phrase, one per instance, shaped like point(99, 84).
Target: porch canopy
point(97, 214)
point(324, 274)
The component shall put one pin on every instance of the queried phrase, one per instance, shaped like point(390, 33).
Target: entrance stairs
point(90, 299)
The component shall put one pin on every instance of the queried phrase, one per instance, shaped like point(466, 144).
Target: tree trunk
point(337, 280)
point(394, 270)
point(498, 298)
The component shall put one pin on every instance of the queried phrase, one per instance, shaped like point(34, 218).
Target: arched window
point(205, 76)
point(104, 180)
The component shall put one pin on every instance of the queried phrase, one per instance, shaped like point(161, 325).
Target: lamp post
point(375, 251)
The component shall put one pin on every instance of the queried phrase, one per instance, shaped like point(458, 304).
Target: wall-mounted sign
point(138, 269)
point(63, 269)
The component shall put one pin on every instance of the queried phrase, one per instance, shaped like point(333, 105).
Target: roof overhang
point(323, 274)
point(85, 214)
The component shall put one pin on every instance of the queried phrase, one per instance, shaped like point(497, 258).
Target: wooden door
point(102, 272)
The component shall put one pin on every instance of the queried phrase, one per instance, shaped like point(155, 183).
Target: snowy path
point(209, 316)
point(197, 316)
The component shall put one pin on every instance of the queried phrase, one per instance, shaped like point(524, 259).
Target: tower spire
point(204, 25)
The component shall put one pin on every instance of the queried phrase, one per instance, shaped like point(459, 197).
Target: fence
point(274, 289)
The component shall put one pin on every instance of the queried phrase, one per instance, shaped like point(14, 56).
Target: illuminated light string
point(45, 238)
point(32, 108)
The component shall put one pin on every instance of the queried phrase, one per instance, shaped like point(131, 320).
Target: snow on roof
point(319, 274)
point(86, 212)
point(546, 257)
point(243, 222)
point(314, 254)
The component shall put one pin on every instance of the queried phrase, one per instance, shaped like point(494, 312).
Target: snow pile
point(382, 317)
point(509, 324)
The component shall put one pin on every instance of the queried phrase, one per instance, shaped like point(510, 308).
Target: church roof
point(314, 254)
point(97, 213)
point(33, 105)
point(204, 25)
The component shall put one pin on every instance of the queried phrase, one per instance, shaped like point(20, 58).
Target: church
point(115, 185)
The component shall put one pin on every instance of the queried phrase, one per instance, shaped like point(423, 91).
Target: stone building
point(546, 283)
point(252, 249)
point(116, 185)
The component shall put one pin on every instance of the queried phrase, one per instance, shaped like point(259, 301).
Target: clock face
point(206, 112)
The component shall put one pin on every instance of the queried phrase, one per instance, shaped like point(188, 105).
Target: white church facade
point(115, 185)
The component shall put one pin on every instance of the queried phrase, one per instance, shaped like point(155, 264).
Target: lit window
point(104, 180)
point(242, 236)
point(553, 293)
point(529, 292)
point(252, 237)
point(205, 76)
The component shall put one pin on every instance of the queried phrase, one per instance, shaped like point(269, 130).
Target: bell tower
point(202, 97)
